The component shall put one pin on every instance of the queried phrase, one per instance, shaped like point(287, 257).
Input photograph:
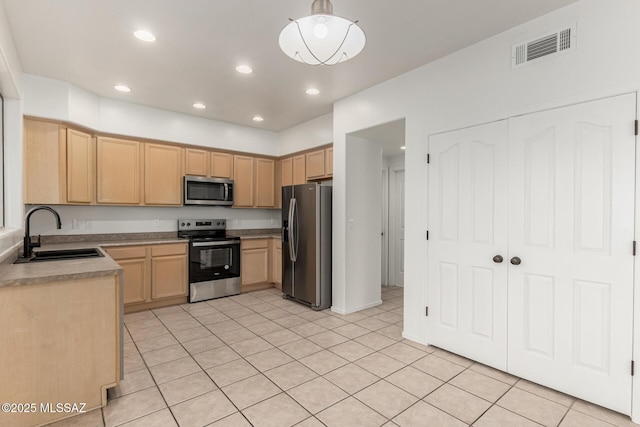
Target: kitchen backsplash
point(139, 219)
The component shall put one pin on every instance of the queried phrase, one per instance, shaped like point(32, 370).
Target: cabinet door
point(315, 164)
point(299, 173)
point(287, 171)
point(162, 174)
point(169, 276)
point(254, 261)
point(118, 170)
point(135, 279)
point(81, 159)
point(44, 149)
point(328, 161)
point(243, 181)
point(222, 165)
point(265, 192)
point(196, 162)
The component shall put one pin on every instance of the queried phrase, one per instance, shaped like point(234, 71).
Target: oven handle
point(202, 244)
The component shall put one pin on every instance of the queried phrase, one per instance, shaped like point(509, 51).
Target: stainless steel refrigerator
point(306, 244)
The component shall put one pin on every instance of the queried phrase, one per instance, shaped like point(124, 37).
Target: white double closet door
point(530, 263)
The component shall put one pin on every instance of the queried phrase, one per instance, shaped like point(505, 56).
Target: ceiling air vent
point(548, 46)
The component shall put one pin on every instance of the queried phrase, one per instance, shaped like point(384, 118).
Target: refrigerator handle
point(295, 207)
point(290, 231)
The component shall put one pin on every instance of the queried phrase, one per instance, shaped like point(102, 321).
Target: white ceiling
point(199, 43)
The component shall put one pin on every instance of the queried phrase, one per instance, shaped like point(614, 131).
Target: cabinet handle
point(515, 260)
point(498, 259)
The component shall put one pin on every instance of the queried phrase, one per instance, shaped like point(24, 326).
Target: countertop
point(261, 233)
point(55, 271)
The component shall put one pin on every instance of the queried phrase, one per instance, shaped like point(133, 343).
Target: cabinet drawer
point(127, 252)
point(169, 249)
point(255, 243)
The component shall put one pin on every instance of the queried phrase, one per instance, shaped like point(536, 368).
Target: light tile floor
point(257, 359)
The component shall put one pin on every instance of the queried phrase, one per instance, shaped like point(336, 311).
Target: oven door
point(213, 260)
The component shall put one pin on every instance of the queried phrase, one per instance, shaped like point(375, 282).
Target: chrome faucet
point(28, 245)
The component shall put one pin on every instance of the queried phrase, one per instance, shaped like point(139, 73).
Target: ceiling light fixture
point(322, 38)
point(199, 106)
point(403, 147)
point(244, 69)
point(258, 119)
point(122, 88)
point(144, 35)
point(312, 91)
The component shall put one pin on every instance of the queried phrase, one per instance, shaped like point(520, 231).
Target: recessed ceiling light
point(144, 35)
point(403, 148)
point(244, 69)
point(312, 91)
point(199, 106)
point(258, 119)
point(122, 88)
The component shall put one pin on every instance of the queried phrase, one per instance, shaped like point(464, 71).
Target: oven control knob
point(226, 267)
point(182, 224)
point(188, 224)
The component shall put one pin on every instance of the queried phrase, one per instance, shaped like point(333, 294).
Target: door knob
point(515, 260)
point(498, 259)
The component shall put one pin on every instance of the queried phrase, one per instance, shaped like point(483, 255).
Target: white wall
point(473, 86)
point(58, 100)
point(307, 135)
point(364, 216)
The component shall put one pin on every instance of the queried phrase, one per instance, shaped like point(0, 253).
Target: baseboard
point(354, 310)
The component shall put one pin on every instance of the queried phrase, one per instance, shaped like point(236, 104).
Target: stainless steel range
point(214, 258)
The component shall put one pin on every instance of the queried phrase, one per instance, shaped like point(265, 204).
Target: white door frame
point(393, 221)
point(385, 226)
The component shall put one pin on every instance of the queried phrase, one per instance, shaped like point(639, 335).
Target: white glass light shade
point(322, 39)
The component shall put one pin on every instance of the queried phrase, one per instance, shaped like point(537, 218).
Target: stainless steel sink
point(62, 254)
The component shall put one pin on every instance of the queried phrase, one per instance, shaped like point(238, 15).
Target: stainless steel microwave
point(208, 191)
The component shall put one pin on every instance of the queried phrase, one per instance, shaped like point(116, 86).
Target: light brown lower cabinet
point(261, 264)
point(60, 344)
point(154, 275)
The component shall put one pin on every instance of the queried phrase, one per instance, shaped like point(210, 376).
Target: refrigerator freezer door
point(306, 225)
point(287, 263)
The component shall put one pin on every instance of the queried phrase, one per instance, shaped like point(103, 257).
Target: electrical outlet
point(156, 223)
point(77, 224)
point(88, 224)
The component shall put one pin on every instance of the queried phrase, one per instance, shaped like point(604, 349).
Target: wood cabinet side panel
point(329, 161)
point(59, 344)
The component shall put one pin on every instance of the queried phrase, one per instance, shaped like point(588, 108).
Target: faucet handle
point(36, 244)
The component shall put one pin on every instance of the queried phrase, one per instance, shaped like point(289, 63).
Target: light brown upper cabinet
point(59, 164)
point(162, 174)
point(328, 162)
point(44, 162)
point(118, 171)
point(81, 162)
point(196, 162)
point(265, 177)
point(299, 170)
point(287, 171)
point(221, 165)
point(315, 164)
point(243, 182)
